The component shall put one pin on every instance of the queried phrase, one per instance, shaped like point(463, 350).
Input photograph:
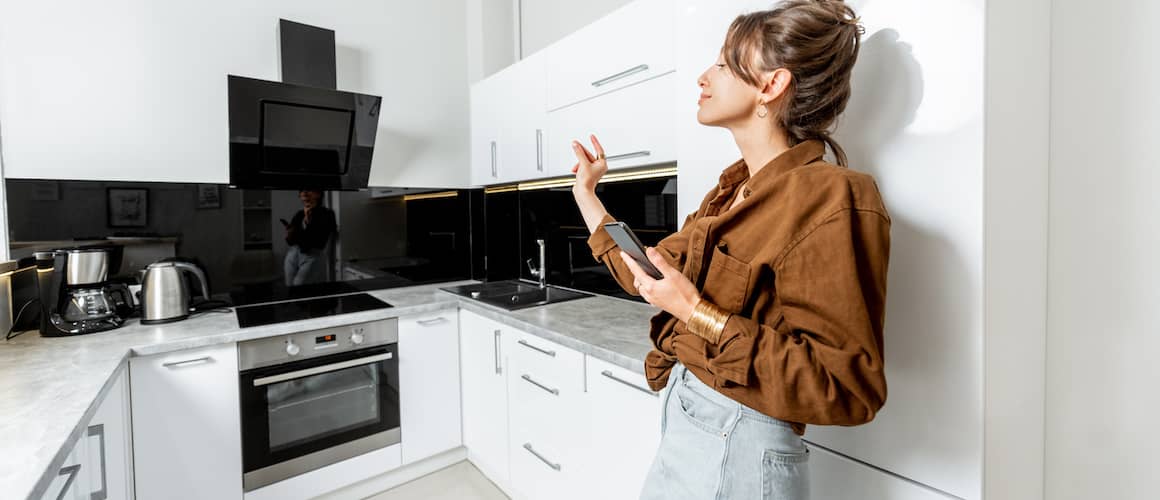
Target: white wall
point(1102, 398)
point(543, 22)
point(136, 89)
point(491, 37)
point(915, 122)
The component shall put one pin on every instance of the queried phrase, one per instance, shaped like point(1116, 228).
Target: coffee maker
point(79, 298)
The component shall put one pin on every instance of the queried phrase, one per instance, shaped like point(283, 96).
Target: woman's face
point(309, 199)
point(725, 99)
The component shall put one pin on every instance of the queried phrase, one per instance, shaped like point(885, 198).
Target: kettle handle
point(196, 271)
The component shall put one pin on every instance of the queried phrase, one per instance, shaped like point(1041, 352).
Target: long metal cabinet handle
point(432, 321)
point(493, 172)
point(195, 361)
point(282, 377)
point(555, 392)
point(628, 72)
point(72, 472)
point(609, 374)
point(534, 348)
point(625, 156)
point(103, 493)
point(539, 150)
point(498, 366)
point(528, 446)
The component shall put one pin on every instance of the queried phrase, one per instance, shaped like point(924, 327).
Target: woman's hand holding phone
point(674, 292)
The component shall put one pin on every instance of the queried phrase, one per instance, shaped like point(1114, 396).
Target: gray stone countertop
point(50, 387)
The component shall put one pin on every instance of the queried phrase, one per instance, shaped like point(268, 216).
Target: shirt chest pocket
point(728, 280)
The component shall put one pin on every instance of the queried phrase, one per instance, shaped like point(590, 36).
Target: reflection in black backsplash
point(647, 206)
point(238, 236)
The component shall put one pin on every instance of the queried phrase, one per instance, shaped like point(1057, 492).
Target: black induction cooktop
point(294, 310)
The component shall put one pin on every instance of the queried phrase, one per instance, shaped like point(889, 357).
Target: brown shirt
point(801, 263)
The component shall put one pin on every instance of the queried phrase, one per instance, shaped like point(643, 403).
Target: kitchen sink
point(515, 294)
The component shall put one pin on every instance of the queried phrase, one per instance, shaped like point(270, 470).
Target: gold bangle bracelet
point(708, 321)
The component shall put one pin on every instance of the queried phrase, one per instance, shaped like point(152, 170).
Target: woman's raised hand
point(589, 168)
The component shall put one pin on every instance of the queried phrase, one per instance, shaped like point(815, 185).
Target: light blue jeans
point(303, 267)
point(715, 448)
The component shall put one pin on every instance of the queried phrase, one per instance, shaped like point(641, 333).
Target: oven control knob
point(292, 348)
point(356, 338)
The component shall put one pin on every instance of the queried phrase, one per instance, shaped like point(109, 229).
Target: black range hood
point(301, 133)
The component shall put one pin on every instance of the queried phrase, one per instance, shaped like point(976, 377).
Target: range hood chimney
point(307, 55)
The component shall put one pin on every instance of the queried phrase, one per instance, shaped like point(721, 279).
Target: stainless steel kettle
point(165, 293)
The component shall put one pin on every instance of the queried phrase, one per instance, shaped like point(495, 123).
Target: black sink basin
point(513, 294)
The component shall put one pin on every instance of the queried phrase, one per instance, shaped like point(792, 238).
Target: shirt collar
point(803, 153)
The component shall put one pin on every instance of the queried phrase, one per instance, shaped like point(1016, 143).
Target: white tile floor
point(461, 481)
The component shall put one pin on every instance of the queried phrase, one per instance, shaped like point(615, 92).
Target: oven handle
point(282, 377)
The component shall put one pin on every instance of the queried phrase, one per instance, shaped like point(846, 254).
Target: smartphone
point(628, 242)
point(285, 223)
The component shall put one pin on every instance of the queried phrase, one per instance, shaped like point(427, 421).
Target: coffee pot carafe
point(79, 299)
point(165, 291)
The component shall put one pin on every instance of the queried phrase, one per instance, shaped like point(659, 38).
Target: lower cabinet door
point(429, 384)
point(625, 418)
point(835, 477)
point(109, 458)
point(186, 425)
point(71, 481)
point(485, 397)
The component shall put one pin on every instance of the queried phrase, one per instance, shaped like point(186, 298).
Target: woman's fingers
point(582, 157)
point(596, 146)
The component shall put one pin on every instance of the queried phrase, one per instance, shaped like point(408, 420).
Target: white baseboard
point(396, 477)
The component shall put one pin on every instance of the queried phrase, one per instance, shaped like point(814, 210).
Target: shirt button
point(747, 192)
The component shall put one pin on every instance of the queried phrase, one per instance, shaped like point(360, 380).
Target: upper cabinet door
point(630, 45)
point(635, 126)
point(507, 124)
point(485, 128)
point(523, 115)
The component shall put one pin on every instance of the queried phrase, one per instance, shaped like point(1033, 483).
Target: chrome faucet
point(542, 272)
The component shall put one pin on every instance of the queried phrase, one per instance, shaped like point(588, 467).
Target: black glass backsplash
point(647, 206)
point(238, 238)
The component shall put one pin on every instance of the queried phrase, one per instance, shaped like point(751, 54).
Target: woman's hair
point(817, 41)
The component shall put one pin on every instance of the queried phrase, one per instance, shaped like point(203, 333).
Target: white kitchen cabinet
point(429, 384)
point(485, 395)
point(548, 419)
point(109, 458)
point(71, 481)
point(835, 477)
point(630, 45)
point(635, 126)
point(625, 419)
point(508, 122)
point(186, 424)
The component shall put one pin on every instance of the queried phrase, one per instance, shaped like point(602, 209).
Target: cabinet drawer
point(546, 362)
point(635, 126)
point(630, 45)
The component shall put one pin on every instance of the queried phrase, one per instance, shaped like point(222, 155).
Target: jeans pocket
point(785, 476)
point(704, 413)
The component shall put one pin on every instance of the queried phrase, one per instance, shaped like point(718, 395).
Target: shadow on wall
point(930, 291)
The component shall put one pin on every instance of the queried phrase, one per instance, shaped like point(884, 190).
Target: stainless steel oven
point(311, 399)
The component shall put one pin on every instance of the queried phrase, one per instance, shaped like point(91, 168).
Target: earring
point(761, 111)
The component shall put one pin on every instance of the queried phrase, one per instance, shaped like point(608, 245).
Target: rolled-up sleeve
point(823, 338)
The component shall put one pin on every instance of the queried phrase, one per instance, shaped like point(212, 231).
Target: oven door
point(300, 416)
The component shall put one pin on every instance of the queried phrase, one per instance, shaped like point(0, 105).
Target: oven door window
point(296, 409)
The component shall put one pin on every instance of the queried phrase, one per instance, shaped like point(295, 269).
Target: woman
point(307, 235)
point(773, 292)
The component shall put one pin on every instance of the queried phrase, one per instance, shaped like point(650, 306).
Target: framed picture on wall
point(128, 207)
point(209, 196)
